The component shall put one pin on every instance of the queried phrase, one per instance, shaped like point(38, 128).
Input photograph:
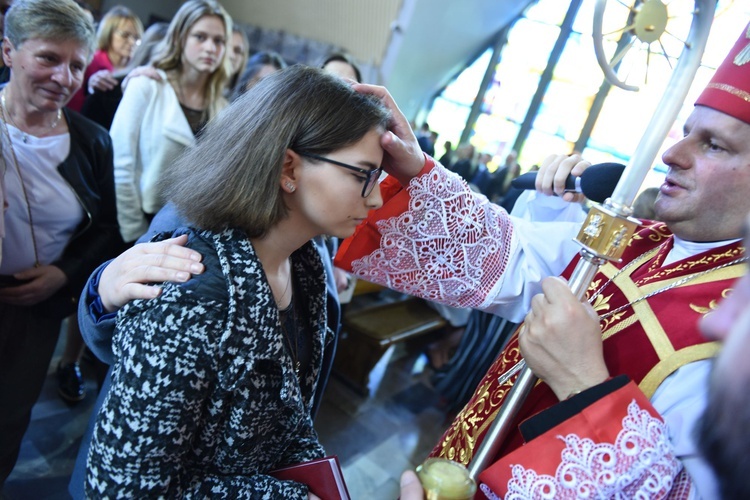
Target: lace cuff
point(618, 448)
point(450, 245)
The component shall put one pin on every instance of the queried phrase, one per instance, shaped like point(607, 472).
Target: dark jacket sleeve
point(89, 170)
point(97, 327)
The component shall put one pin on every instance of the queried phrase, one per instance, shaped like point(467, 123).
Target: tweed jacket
point(204, 398)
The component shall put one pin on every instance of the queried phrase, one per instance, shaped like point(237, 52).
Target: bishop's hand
point(561, 340)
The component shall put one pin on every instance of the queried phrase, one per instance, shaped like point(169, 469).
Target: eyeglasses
point(129, 36)
point(371, 179)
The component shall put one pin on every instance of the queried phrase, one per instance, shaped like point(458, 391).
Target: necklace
point(25, 136)
point(20, 177)
point(288, 321)
point(280, 300)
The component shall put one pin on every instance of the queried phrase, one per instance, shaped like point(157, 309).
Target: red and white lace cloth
point(449, 245)
point(639, 464)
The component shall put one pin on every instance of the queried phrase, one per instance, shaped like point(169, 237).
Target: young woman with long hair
point(156, 120)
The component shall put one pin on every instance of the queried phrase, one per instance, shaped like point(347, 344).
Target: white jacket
point(148, 132)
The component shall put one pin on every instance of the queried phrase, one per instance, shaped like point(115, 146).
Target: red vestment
point(647, 340)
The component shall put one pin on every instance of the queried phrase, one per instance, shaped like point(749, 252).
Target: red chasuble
point(647, 340)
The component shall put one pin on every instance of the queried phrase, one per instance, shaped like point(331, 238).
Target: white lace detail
point(451, 244)
point(640, 464)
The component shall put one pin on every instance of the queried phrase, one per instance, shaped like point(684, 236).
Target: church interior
point(495, 85)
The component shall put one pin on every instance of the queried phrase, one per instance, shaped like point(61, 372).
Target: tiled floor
point(375, 437)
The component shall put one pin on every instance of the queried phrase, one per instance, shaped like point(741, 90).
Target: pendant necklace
point(24, 135)
point(20, 175)
point(288, 321)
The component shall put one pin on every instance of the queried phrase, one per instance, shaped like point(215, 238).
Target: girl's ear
point(289, 168)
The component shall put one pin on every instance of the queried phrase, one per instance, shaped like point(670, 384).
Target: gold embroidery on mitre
point(729, 89)
point(743, 56)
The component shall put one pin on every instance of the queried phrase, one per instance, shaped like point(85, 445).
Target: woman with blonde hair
point(214, 380)
point(119, 34)
point(156, 120)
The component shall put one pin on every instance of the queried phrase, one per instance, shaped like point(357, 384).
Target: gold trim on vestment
point(726, 273)
point(642, 311)
point(666, 367)
point(619, 326)
point(460, 440)
point(730, 89)
point(707, 260)
point(650, 323)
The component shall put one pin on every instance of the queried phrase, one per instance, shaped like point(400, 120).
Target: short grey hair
point(49, 20)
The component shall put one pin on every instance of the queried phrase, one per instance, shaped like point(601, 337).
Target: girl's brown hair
point(231, 177)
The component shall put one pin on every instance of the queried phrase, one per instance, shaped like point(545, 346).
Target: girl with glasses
point(213, 380)
point(117, 37)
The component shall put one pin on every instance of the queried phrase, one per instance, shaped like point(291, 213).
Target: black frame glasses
point(372, 175)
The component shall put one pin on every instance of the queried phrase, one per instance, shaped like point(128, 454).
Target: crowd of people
point(190, 216)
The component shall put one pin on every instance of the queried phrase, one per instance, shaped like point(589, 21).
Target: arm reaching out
point(403, 157)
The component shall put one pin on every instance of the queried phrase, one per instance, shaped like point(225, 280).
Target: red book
point(322, 476)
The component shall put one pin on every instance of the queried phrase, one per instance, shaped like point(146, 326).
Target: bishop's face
point(705, 194)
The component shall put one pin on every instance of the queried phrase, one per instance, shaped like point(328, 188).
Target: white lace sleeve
point(453, 246)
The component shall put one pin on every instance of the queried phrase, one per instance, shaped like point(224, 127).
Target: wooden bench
point(368, 333)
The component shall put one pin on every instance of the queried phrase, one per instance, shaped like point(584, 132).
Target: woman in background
point(239, 49)
point(102, 104)
point(260, 65)
point(213, 381)
point(342, 65)
point(157, 120)
point(117, 38)
point(60, 221)
point(99, 107)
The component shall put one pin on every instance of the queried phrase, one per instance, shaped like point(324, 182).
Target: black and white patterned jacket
point(204, 398)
